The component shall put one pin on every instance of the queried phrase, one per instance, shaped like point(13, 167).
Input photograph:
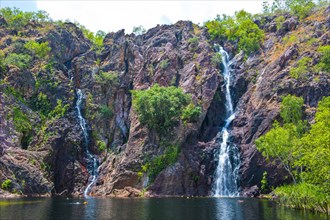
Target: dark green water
point(152, 208)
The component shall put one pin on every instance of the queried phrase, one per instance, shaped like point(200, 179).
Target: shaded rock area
point(46, 156)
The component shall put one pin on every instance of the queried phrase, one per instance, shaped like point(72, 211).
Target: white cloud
point(116, 15)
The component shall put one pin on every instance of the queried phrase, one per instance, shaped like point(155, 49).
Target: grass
point(304, 196)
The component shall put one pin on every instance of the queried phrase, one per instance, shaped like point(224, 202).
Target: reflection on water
point(152, 208)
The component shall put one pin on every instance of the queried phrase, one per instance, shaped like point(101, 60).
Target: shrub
point(163, 64)
point(159, 163)
point(41, 50)
point(160, 108)
point(138, 30)
point(19, 60)
point(193, 42)
point(59, 110)
point(304, 196)
point(21, 121)
point(301, 68)
point(16, 19)
point(101, 145)
point(96, 39)
point(291, 109)
point(41, 104)
point(279, 21)
point(110, 77)
point(2, 61)
point(191, 113)
point(301, 8)
point(239, 28)
point(106, 112)
point(6, 185)
point(264, 183)
point(325, 59)
point(216, 59)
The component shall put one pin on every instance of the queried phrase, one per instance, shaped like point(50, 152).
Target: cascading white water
point(229, 161)
point(92, 163)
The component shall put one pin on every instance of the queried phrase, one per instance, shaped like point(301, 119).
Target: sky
point(110, 15)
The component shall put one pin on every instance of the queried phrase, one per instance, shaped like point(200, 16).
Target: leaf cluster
point(239, 28)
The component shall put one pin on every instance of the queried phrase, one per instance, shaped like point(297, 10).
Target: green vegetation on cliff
point(304, 154)
point(301, 8)
point(160, 108)
point(239, 28)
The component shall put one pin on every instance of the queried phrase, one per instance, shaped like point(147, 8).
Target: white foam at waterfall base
point(228, 158)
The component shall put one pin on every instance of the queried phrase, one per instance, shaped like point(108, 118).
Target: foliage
point(96, 39)
point(325, 59)
point(315, 148)
point(291, 109)
point(138, 30)
point(159, 163)
point(17, 19)
point(264, 183)
point(42, 104)
point(216, 59)
point(20, 60)
point(2, 61)
point(191, 113)
point(59, 110)
point(106, 112)
point(6, 185)
point(193, 41)
point(163, 64)
point(110, 77)
point(279, 143)
point(240, 28)
point(301, 8)
point(101, 145)
point(21, 121)
point(304, 196)
point(305, 155)
point(279, 21)
point(301, 69)
point(41, 50)
point(160, 108)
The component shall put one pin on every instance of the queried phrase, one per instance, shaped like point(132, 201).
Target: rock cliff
point(45, 156)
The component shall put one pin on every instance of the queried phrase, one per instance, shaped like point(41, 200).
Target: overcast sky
point(115, 15)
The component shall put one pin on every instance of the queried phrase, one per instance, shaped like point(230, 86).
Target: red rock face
point(52, 161)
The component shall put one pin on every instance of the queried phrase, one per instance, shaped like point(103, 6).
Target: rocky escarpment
point(45, 156)
point(262, 80)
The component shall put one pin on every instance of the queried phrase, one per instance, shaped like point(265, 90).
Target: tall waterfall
point(92, 163)
point(229, 161)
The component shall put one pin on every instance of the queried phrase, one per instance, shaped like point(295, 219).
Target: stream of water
point(92, 163)
point(228, 158)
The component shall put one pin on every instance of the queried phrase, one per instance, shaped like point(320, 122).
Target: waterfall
point(92, 163)
point(228, 158)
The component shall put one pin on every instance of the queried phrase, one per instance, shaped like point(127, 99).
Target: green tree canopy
point(240, 28)
point(160, 108)
point(40, 50)
point(291, 109)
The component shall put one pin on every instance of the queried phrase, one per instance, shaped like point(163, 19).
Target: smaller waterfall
point(229, 161)
point(92, 163)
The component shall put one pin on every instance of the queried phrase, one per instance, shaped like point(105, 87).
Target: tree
point(19, 60)
point(291, 109)
point(280, 143)
point(315, 154)
point(160, 108)
point(40, 50)
point(325, 59)
point(138, 30)
point(239, 28)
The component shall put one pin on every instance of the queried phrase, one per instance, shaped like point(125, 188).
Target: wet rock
point(251, 192)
